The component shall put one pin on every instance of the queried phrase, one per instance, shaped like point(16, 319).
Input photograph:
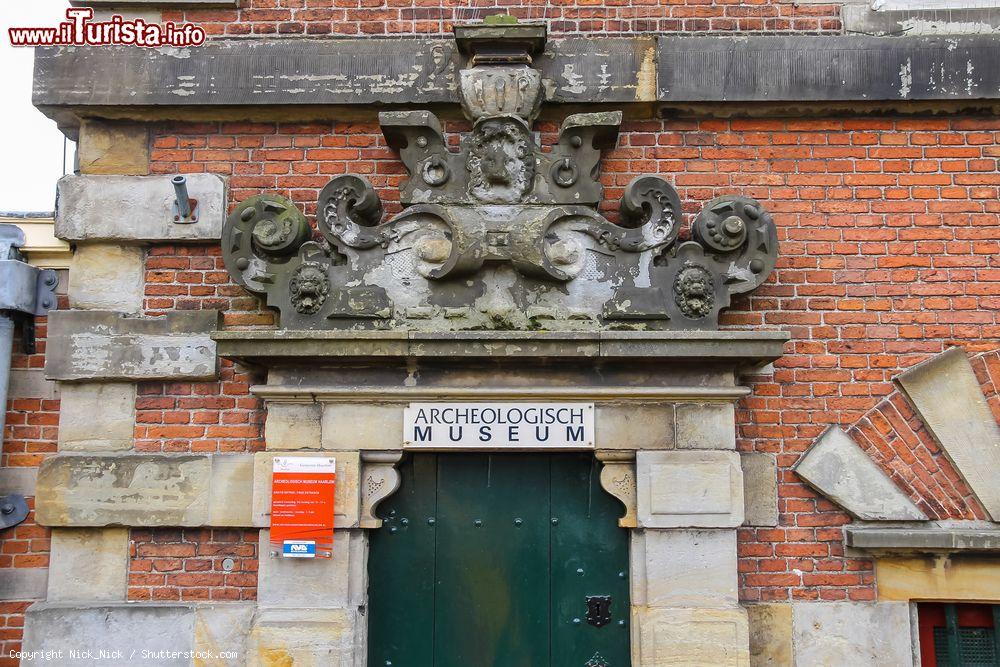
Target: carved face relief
point(309, 287)
point(501, 163)
point(694, 291)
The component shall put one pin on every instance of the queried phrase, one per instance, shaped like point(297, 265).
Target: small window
point(959, 635)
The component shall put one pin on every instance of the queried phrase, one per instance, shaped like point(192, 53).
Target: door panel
point(488, 560)
point(589, 558)
point(492, 592)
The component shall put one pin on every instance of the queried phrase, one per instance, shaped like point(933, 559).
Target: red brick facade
point(293, 18)
point(889, 231)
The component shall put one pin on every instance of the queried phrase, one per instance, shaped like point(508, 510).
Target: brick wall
point(293, 18)
point(30, 434)
point(190, 564)
point(889, 234)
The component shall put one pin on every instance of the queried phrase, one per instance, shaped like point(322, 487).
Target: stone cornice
point(916, 538)
point(312, 79)
point(738, 349)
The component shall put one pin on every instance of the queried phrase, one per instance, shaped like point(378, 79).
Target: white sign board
point(499, 426)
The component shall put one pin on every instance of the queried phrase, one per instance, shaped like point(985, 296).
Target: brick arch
point(895, 437)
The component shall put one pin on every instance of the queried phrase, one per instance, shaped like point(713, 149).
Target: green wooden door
point(495, 560)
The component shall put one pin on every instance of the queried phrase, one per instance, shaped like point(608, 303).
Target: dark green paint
point(487, 560)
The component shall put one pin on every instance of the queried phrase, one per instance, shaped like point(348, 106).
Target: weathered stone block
point(838, 468)
point(231, 498)
point(706, 426)
point(770, 635)
point(104, 345)
point(760, 489)
point(956, 578)
point(222, 628)
point(105, 276)
point(684, 568)
point(689, 489)
point(946, 394)
point(124, 490)
point(362, 426)
point(334, 637)
point(162, 633)
point(88, 564)
point(347, 498)
point(18, 480)
point(293, 425)
point(80, 429)
point(634, 426)
point(316, 583)
point(23, 583)
point(688, 637)
point(31, 383)
point(136, 209)
point(113, 148)
point(851, 633)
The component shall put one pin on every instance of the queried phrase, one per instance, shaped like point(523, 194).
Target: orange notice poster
point(302, 491)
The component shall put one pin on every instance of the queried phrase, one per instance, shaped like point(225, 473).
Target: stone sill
point(743, 349)
point(931, 539)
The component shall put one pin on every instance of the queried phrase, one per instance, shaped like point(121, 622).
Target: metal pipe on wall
point(6, 349)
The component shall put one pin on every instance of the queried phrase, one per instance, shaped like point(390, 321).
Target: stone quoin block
point(223, 628)
point(293, 425)
point(851, 633)
point(307, 637)
point(18, 480)
point(684, 568)
point(106, 345)
point(88, 564)
point(347, 496)
point(671, 636)
point(760, 489)
point(164, 632)
point(79, 427)
point(113, 148)
point(106, 276)
point(362, 426)
point(681, 489)
point(838, 468)
point(706, 426)
point(634, 426)
point(770, 634)
point(339, 582)
point(137, 209)
point(231, 499)
point(31, 383)
point(145, 490)
point(125, 490)
point(23, 583)
point(947, 396)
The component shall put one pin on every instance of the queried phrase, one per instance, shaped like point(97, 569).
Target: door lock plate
point(598, 610)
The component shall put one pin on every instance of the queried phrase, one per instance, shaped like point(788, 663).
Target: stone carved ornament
point(499, 234)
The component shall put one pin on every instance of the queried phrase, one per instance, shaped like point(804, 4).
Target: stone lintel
point(738, 348)
point(637, 72)
point(924, 539)
point(107, 345)
point(137, 209)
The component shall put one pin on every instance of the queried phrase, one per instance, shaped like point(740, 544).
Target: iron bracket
point(13, 510)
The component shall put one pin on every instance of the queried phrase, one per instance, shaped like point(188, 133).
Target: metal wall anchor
point(13, 510)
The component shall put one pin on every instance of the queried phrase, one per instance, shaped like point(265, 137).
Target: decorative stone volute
point(500, 234)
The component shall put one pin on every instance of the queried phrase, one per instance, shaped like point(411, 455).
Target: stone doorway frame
point(666, 443)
